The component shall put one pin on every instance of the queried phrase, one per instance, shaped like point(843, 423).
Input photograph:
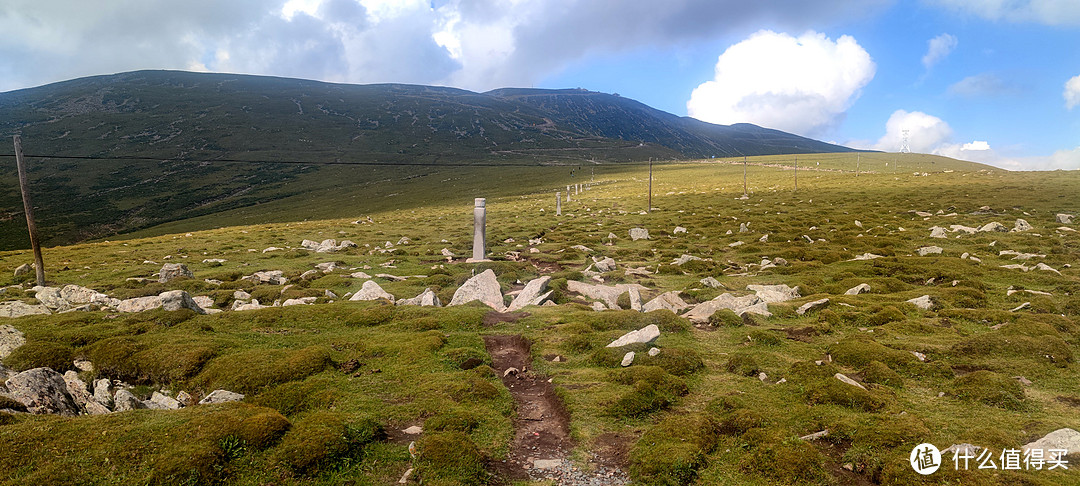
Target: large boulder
point(701, 313)
point(371, 291)
point(1060, 218)
point(644, 335)
point(1060, 439)
point(1022, 225)
point(667, 300)
point(532, 294)
point(25, 268)
point(50, 297)
point(103, 392)
point(139, 304)
point(17, 308)
point(171, 271)
point(483, 287)
point(326, 246)
point(178, 299)
point(77, 389)
point(993, 227)
point(272, 277)
point(221, 396)
point(639, 234)
point(427, 298)
point(125, 400)
point(858, 289)
point(10, 339)
point(774, 293)
point(929, 250)
point(604, 265)
point(608, 294)
point(42, 391)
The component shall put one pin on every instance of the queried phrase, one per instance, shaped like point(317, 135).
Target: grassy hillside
point(166, 146)
point(698, 413)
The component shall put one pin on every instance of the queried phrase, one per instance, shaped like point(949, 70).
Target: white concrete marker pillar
point(479, 229)
point(558, 204)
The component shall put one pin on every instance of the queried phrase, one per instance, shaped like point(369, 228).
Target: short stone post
point(558, 204)
point(479, 229)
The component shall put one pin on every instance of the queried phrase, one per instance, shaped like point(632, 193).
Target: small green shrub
point(836, 392)
point(787, 461)
point(450, 458)
point(294, 397)
point(373, 315)
point(765, 338)
point(654, 389)
point(880, 373)
point(740, 421)
point(860, 351)
point(41, 354)
point(321, 438)
point(451, 420)
point(989, 388)
point(725, 318)
point(253, 370)
point(677, 361)
point(672, 451)
point(742, 364)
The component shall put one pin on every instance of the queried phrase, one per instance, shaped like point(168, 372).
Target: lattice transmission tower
point(904, 147)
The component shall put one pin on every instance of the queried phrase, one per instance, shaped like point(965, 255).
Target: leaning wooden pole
point(28, 208)
point(649, 209)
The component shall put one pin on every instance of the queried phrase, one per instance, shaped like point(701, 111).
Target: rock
point(185, 399)
point(531, 294)
point(414, 430)
point(74, 294)
point(511, 371)
point(174, 300)
point(427, 298)
point(1025, 305)
point(938, 232)
point(76, 388)
point(203, 301)
point(326, 246)
point(272, 277)
point(329, 294)
point(627, 359)
point(483, 287)
point(842, 377)
point(644, 335)
point(371, 291)
point(962, 449)
point(139, 304)
point(123, 401)
point(42, 391)
point(326, 267)
point(929, 250)
point(812, 306)
point(701, 313)
point(667, 300)
point(1060, 218)
point(10, 340)
point(923, 214)
point(919, 356)
point(25, 269)
point(547, 464)
point(95, 408)
point(1022, 380)
point(994, 227)
point(582, 248)
point(866, 256)
point(743, 228)
point(762, 376)
point(654, 351)
point(83, 365)
point(639, 234)
point(360, 275)
point(18, 309)
point(171, 271)
point(50, 297)
point(241, 295)
point(686, 259)
point(774, 293)
point(815, 435)
point(611, 237)
point(858, 289)
point(299, 301)
point(221, 396)
point(1022, 225)
point(966, 229)
point(710, 282)
point(102, 392)
point(598, 306)
point(1048, 268)
point(604, 265)
point(924, 302)
point(635, 299)
point(764, 238)
point(1067, 439)
point(309, 275)
point(165, 402)
point(253, 305)
point(608, 294)
point(678, 229)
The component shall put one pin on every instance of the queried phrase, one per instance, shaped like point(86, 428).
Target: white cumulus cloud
point(977, 145)
point(1050, 12)
point(938, 48)
point(925, 133)
point(799, 84)
point(1072, 93)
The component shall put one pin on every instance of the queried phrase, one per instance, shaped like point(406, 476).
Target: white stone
point(627, 359)
point(42, 391)
point(858, 289)
point(427, 298)
point(679, 229)
point(924, 302)
point(866, 256)
point(165, 402)
point(531, 294)
point(1068, 439)
point(774, 293)
point(10, 340)
point(171, 271)
point(993, 227)
point(812, 306)
point(371, 291)
point(639, 234)
point(414, 430)
point(173, 300)
point(221, 396)
point(701, 313)
point(929, 250)
point(1021, 225)
point(124, 400)
point(710, 282)
point(635, 299)
point(1064, 218)
point(938, 232)
point(644, 335)
point(483, 287)
point(686, 259)
point(842, 377)
point(667, 300)
point(654, 351)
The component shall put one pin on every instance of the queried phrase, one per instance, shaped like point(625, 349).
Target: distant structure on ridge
point(904, 147)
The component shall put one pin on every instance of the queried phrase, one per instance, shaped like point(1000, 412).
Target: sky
point(991, 81)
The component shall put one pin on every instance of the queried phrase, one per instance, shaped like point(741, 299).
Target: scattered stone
point(185, 399)
point(1023, 381)
point(10, 340)
point(842, 377)
point(919, 356)
point(866, 256)
point(164, 402)
point(608, 294)
point(203, 301)
point(639, 234)
point(582, 248)
point(604, 265)
point(924, 302)
point(812, 306)
point(447, 253)
point(774, 293)
point(360, 275)
point(371, 291)
point(414, 430)
point(737, 243)
point(710, 282)
point(858, 223)
point(83, 365)
point(764, 238)
point(1048, 268)
point(221, 396)
point(272, 277)
point(1025, 305)
point(938, 232)
point(511, 371)
point(627, 359)
point(241, 295)
point(815, 435)
point(214, 260)
point(929, 250)
point(686, 259)
point(1022, 225)
point(531, 294)
point(962, 449)
point(923, 214)
point(483, 287)
point(762, 376)
point(993, 227)
point(427, 298)
point(1067, 439)
point(95, 408)
point(679, 229)
point(23, 269)
point(171, 271)
point(42, 391)
point(667, 300)
point(1060, 218)
point(638, 271)
point(743, 228)
point(76, 388)
point(961, 228)
point(701, 313)
point(326, 246)
point(654, 351)
point(299, 301)
point(174, 300)
point(102, 392)
point(644, 335)
point(858, 289)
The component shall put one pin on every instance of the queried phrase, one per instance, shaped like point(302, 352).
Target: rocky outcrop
point(371, 291)
point(644, 335)
point(858, 289)
point(812, 306)
point(42, 391)
point(1061, 439)
point(639, 234)
point(272, 277)
point(667, 300)
point(740, 305)
point(18, 308)
point(774, 293)
point(171, 300)
point(10, 339)
point(326, 246)
point(221, 396)
point(608, 294)
point(484, 288)
point(427, 298)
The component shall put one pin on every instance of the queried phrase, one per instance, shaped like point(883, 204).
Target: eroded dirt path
point(542, 439)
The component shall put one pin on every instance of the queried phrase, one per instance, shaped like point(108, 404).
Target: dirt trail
point(542, 427)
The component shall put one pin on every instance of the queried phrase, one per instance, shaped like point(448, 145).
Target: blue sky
point(994, 81)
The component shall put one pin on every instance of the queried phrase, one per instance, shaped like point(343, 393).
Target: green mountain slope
point(183, 127)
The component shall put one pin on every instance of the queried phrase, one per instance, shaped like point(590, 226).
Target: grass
point(697, 412)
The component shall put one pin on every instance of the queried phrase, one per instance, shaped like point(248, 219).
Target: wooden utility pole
point(28, 208)
point(796, 172)
point(649, 209)
point(858, 158)
point(744, 175)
